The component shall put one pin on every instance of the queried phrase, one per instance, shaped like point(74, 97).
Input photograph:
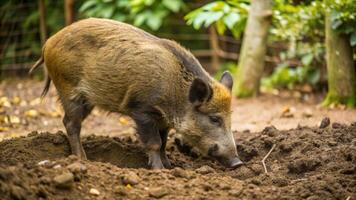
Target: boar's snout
point(230, 162)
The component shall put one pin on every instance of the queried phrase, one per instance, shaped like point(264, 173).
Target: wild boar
point(159, 84)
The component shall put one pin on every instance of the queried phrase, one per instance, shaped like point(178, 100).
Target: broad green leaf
point(336, 24)
point(353, 39)
point(154, 22)
point(314, 76)
point(191, 15)
point(209, 6)
point(107, 11)
point(307, 59)
point(220, 26)
point(231, 19)
point(173, 5)
point(213, 17)
point(140, 19)
point(123, 3)
point(149, 2)
point(119, 17)
point(87, 5)
point(199, 19)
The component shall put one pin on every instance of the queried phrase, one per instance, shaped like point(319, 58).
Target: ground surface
point(22, 111)
point(304, 163)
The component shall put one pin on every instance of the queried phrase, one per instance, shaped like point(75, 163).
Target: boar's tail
point(39, 61)
point(48, 79)
point(37, 64)
point(47, 85)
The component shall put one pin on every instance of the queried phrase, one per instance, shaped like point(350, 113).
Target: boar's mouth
point(185, 149)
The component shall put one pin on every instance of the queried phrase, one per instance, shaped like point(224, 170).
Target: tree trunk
point(340, 69)
point(253, 50)
point(69, 11)
point(214, 46)
point(43, 28)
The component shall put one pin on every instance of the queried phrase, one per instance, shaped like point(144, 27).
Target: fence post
point(68, 11)
point(43, 29)
point(214, 45)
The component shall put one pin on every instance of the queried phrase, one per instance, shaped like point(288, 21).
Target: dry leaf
point(4, 101)
point(32, 113)
point(35, 102)
point(2, 129)
point(11, 119)
point(288, 112)
point(16, 100)
point(124, 121)
point(54, 114)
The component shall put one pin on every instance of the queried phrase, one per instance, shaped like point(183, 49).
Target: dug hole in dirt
point(304, 163)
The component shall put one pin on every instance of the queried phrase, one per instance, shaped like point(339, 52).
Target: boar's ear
point(200, 91)
point(227, 80)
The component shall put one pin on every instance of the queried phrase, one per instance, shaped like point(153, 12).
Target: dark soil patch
point(307, 163)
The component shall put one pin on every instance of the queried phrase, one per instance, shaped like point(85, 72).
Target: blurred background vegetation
point(291, 55)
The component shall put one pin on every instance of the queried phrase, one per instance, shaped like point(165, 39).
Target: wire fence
point(20, 41)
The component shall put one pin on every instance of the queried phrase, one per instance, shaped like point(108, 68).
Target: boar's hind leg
point(147, 128)
point(164, 158)
point(75, 113)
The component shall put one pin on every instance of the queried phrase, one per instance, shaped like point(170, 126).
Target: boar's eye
point(216, 120)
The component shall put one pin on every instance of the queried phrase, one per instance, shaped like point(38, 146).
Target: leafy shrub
point(142, 13)
point(231, 14)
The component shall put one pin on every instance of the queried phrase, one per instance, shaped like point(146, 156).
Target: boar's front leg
point(147, 122)
point(164, 134)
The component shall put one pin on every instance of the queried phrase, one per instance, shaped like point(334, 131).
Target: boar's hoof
point(154, 160)
point(166, 162)
point(234, 163)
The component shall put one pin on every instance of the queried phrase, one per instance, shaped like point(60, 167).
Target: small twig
point(300, 179)
point(348, 198)
point(264, 159)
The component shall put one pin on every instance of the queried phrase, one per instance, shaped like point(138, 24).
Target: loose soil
point(306, 163)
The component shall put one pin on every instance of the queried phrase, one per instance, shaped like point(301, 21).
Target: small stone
point(57, 166)
point(130, 178)
point(73, 157)
point(179, 172)
point(270, 131)
point(307, 113)
point(336, 125)
point(325, 122)
point(158, 192)
point(94, 191)
point(77, 168)
point(43, 162)
point(120, 190)
point(332, 143)
point(64, 181)
point(205, 170)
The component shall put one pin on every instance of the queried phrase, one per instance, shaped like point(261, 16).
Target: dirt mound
point(306, 163)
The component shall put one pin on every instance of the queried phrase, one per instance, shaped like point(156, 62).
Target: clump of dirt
point(306, 163)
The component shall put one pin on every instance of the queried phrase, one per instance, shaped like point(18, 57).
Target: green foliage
point(332, 100)
point(228, 66)
point(143, 13)
point(343, 17)
point(231, 14)
point(298, 22)
point(286, 77)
